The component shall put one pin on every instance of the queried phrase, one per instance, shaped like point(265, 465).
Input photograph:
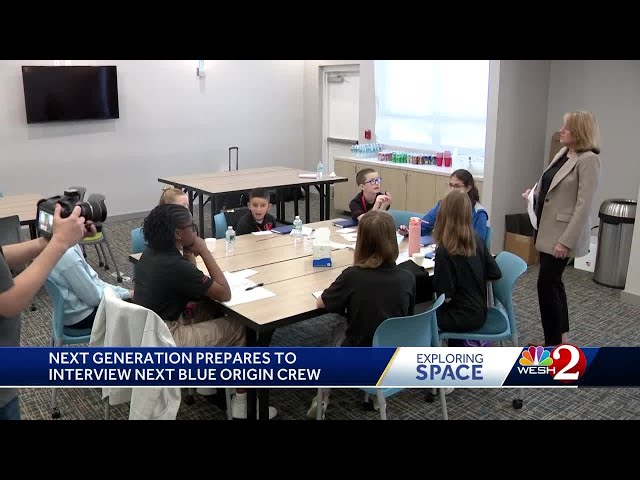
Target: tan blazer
point(566, 213)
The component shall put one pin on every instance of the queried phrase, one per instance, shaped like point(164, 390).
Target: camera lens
point(94, 211)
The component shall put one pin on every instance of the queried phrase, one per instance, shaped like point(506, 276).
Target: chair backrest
point(414, 331)
point(96, 197)
point(81, 190)
point(511, 267)
point(58, 334)
point(401, 217)
point(137, 240)
point(9, 230)
point(488, 237)
point(220, 223)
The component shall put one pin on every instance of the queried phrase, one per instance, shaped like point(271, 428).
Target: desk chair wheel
point(55, 413)
point(429, 397)
point(517, 403)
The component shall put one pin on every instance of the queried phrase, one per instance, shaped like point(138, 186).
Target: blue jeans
point(11, 411)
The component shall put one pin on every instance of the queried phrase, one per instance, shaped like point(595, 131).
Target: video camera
point(95, 212)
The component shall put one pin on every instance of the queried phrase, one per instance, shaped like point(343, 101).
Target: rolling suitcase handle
point(236, 149)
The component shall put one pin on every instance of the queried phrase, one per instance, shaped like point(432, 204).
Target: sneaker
point(239, 407)
point(447, 391)
point(312, 413)
point(206, 392)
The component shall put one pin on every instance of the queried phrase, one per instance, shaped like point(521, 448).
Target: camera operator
point(15, 294)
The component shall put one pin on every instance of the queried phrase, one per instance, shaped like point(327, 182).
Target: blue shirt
point(80, 285)
point(479, 220)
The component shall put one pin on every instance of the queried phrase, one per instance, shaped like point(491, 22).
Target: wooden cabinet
point(421, 191)
point(442, 188)
point(394, 181)
point(345, 191)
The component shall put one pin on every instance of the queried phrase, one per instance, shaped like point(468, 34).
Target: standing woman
point(563, 198)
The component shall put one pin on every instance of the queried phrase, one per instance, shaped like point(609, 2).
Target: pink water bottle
point(439, 156)
point(414, 235)
point(447, 158)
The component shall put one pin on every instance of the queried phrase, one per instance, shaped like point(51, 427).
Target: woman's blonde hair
point(170, 195)
point(584, 130)
point(376, 243)
point(453, 229)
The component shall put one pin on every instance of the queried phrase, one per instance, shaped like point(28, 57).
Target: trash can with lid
point(617, 217)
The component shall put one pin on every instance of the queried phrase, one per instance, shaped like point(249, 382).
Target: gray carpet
point(598, 318)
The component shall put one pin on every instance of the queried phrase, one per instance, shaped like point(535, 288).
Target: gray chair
point(98, 239)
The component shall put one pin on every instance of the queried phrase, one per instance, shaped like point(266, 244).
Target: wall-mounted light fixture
point(200, 70)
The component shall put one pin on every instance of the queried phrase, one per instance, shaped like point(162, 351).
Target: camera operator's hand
point(68, 231)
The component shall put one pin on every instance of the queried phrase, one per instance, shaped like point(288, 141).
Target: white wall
point(171, 123)
point(313, 105)
point(631, 292)
point(516, 134)
point(611, 90)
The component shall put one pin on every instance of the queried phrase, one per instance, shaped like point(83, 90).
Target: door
point(341, 112)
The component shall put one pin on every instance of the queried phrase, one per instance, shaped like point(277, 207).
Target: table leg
point(201, 213)
point(327, 201)
point(307, 204)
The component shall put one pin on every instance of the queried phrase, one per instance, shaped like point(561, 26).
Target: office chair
point(419, 330)
point(98, 239)
point(61, 335)
point(401, 217)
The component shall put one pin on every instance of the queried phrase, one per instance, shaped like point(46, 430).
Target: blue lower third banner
point(469, 367)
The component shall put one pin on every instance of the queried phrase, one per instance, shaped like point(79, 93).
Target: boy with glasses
point(370, 197)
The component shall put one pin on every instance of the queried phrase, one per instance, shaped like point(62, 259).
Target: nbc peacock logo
point(536, 361)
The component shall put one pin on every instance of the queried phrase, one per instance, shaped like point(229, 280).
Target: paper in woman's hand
point(530, 210)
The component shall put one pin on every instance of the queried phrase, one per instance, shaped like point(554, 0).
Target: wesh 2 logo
point(564, 362)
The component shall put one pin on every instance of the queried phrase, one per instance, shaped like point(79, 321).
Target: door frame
point(325, 71)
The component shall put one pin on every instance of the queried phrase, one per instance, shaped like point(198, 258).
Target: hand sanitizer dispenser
point(322, 248)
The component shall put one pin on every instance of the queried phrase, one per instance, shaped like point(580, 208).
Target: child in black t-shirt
point(257, 219)
point(372, 290)
point(370, 198)
point(463, 265)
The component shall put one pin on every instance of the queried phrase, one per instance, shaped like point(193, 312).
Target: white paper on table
point(245, 273)
point(307, 175)
point(399, 238)
point(264, 232)
point(402, 257)
point(347, 230)
point(306, 231)
point(350, 237)
point(239, 292)
point(338, 246)
point(532, 214)
point(318, 293)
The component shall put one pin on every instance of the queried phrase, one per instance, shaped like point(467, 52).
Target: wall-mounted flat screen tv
point(70, 93)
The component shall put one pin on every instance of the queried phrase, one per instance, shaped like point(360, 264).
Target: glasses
point(374, 181)
point(454, 185)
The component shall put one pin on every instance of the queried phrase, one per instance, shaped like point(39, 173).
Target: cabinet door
point(421, 192)
point(442, 187)
point(344, 192)
point(394, 181)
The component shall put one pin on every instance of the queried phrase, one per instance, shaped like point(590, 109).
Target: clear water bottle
point(319, 170)
point(230, 240)
point(297, 227)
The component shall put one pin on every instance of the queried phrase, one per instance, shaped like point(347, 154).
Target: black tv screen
point(70, 93)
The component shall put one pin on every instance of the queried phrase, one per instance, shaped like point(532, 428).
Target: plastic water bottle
point(297, 227)
point(230, 240)
point(319, 170)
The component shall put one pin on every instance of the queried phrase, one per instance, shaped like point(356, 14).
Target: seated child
point(463, 265)
point(370, 291)
point(370, 198)
point(258, 219)
point(461, 180)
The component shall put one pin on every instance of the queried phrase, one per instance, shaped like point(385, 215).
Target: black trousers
point(552, 298)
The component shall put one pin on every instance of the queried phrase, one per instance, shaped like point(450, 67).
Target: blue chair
point(137, 240)
point(501, 320)
point(414, 331)
point(220, 224)
point(488, 237)
point(61, 335)
point(401, 217)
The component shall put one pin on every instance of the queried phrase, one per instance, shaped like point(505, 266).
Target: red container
point(439, 157)
point(447, 158)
